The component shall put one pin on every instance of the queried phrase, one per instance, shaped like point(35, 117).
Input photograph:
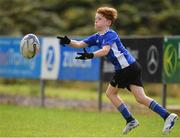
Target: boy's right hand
point(63, 40)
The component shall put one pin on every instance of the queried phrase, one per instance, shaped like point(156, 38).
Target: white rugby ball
point(29, 46)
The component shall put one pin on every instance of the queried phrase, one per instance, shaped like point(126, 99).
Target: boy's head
point(108, 13)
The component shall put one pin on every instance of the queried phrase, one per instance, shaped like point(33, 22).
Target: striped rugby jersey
point(118, 55)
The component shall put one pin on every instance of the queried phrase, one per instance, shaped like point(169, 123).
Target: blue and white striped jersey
point(118, 55)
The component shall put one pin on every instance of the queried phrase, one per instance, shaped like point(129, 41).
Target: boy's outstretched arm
point(73, 43)
point(77, 44)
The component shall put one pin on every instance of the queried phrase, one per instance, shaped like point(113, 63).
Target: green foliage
point(52, 17)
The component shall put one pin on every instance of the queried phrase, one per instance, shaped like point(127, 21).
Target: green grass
point(29, 121)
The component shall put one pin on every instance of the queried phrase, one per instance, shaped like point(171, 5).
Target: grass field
point(30, 121)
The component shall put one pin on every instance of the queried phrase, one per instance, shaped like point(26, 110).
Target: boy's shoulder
point(111, 33)
point(108, 33)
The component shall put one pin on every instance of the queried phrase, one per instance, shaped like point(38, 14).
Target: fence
point(159, 57)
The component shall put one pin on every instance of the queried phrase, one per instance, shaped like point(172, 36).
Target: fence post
point(164, 94)
point(100, 87)
point(42, 92)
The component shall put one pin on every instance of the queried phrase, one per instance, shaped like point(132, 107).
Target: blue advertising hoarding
point(51, 63)
point(13, 65)
point(73, 69)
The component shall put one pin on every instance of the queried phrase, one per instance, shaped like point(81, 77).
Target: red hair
point(108, 13)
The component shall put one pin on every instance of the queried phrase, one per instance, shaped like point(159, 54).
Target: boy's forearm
point(77, 44)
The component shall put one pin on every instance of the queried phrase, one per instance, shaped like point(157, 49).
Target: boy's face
point(101, 23)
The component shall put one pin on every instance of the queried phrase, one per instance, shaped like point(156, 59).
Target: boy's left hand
point(63, 40)
point(85, 55)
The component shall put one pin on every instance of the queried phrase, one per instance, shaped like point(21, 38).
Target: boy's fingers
point(80, 53)
point(84, 50)
point(80, 57)
point(59, 37)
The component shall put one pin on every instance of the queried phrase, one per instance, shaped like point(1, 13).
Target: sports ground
point(20, 121)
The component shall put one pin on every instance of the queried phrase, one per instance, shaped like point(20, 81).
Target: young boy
point(127, 69)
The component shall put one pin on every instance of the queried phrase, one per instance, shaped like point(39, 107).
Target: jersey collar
point(104, 32)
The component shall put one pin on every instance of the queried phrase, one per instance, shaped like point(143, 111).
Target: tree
point(52, 17)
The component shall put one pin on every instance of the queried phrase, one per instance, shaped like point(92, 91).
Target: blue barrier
point(52, 62)
point(13, 65)
point(73, 69)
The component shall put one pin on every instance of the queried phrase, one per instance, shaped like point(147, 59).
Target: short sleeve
point(91, 40)
point(109, 38)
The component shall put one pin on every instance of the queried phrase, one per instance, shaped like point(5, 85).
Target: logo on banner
point(152, 59)
point(170, 60)
point(50, 58)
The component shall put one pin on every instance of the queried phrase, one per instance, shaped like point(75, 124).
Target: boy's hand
point(85, 55)
point(63, 40)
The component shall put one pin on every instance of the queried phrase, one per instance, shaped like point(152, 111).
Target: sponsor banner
point(73, 69)
point(148, 52)
point(12, 63)
point(171, 60)
point(56, 62)
point(46, 64)
point(50, 58)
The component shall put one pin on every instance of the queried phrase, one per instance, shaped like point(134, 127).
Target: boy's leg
point(112, 94)
point(153, 105)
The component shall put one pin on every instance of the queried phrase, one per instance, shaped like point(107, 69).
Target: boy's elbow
point(106, 52)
